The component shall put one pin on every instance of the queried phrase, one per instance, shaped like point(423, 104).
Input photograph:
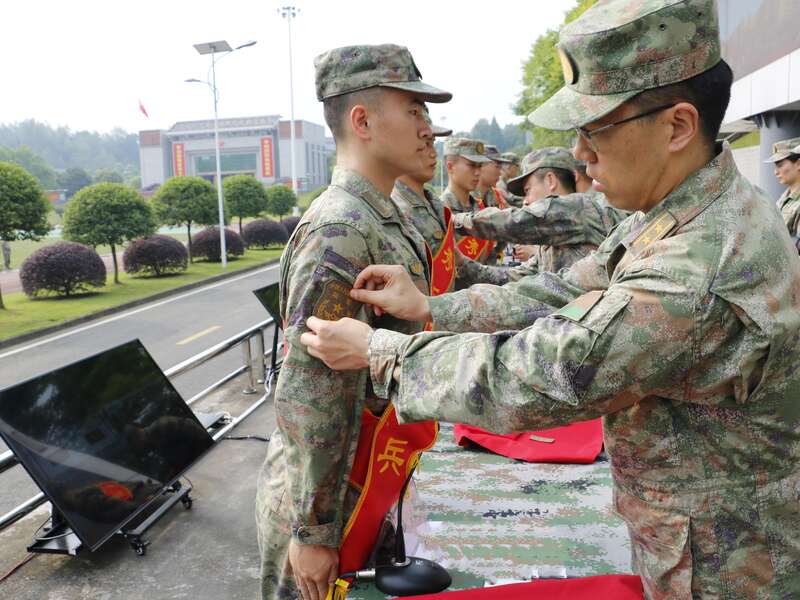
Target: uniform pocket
point(660, 550)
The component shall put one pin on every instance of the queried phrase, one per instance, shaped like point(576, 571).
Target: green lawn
point(23, 315)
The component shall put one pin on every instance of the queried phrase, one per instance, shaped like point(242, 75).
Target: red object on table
point(600, 587)
point(575, 443)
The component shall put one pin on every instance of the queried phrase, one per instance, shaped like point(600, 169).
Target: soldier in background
point(786, 158)
point(373, 98)
point(562, 226)
point(583, 183)
point(682, 329)
point(508, 171)
point(490, 176)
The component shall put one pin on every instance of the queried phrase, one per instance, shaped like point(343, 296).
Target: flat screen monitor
point(269, 296)
point(102, 437)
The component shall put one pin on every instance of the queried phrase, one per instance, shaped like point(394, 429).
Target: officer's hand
point(522, 252)
point(460, 258)
point(391, 290)
point(343, 345)
point(315, 568)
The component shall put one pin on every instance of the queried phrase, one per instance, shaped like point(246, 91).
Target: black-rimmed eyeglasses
point(588, 136)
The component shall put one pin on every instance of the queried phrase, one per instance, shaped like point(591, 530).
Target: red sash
point(386, 453)
point(501, 199)
point(443, 262)
point(473, 247)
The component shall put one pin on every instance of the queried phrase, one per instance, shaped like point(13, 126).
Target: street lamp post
point(290, 12)
point(213, 48)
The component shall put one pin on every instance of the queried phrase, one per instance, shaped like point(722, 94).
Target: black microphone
point(406, 575)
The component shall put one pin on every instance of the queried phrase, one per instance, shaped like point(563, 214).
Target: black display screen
point(102, 437)
point(269, 297)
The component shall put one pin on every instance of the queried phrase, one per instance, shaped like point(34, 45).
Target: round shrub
point(205, 244)
point(155, 255)
point(62, 268)
point(290, 223)
point(263, 233)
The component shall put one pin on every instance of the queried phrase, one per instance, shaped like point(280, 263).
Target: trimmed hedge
point(155, 255)
point(290, 223)
point(263, 233)
point(62, 269)
point(205, 244)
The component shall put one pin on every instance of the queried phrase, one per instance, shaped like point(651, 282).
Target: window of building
point(239, 162)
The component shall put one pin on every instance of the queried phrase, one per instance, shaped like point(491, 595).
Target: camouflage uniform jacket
point(789, 205)
point(564, 229)
point(303, 490)
point(425, 214)
point(683, 330)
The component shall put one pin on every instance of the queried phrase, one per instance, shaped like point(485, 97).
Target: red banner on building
point(267, 169)
point(178, 160)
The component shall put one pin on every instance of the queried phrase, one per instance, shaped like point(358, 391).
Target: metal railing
point(255, 368)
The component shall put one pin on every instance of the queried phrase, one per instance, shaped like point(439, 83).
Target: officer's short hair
point(565, 177)
point(709, 92)
point(793, 157)
point(336, 108)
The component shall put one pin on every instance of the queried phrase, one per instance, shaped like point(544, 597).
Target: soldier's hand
point(315, 568)
point(343, 345)
point(391, 290)
point(523, 252)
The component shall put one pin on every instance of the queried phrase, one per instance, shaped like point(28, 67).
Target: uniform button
point(438, 235)
point(416, 268)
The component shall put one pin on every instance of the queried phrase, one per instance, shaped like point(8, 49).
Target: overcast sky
point(86, 64)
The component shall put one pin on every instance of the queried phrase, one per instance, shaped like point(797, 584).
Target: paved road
point(172, 330)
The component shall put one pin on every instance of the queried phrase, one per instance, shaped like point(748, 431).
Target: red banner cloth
point(575, 443)
point(600, 587)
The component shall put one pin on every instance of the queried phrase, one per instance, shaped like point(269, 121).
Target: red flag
point(141, 108)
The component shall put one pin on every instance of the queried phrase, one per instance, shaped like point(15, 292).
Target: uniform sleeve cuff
point(318, 535)
point(384, 346)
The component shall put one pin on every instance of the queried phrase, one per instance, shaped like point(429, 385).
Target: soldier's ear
point(359, 122)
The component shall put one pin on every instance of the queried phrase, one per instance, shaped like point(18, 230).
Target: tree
point(107, 176)
point(280, 200)
point(108, 213)
point(73, 180)
point(23, 207)
point(186, 200)
point(542, 77)
point(32, 163)
point(244, 197)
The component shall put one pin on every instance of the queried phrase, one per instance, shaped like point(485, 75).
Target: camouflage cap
point(784, 149)
point(352, 68)
point(473, 150)
point(511, 157)
point(441, 131)
point(493, 153)
point(619, 48)
point(554, 157)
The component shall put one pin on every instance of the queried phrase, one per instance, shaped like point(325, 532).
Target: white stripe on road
point(198, 335)
point(134, 312)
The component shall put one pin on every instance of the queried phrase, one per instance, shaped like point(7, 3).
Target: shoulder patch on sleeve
point(335, 302)
point(578, 308)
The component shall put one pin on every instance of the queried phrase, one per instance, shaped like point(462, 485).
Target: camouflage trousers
point(274, 532)
point(734, 542)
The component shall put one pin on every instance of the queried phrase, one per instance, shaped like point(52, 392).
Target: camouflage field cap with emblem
point(784, 149)
point(352, 68)
point(619, 48)
point(511, 157)
point(472, 150)
point(493, 153)
point(554, 157)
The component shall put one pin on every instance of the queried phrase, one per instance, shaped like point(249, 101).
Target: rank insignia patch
point(335, 302)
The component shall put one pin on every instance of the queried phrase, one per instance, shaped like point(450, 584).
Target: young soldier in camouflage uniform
point(683, 329)
point(374, 105)
point(564, 226)
point(508, 172)
point(417, 203)
point(490, 176)
point(786, 158)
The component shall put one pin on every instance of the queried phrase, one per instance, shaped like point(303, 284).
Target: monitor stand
point(59, 538)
